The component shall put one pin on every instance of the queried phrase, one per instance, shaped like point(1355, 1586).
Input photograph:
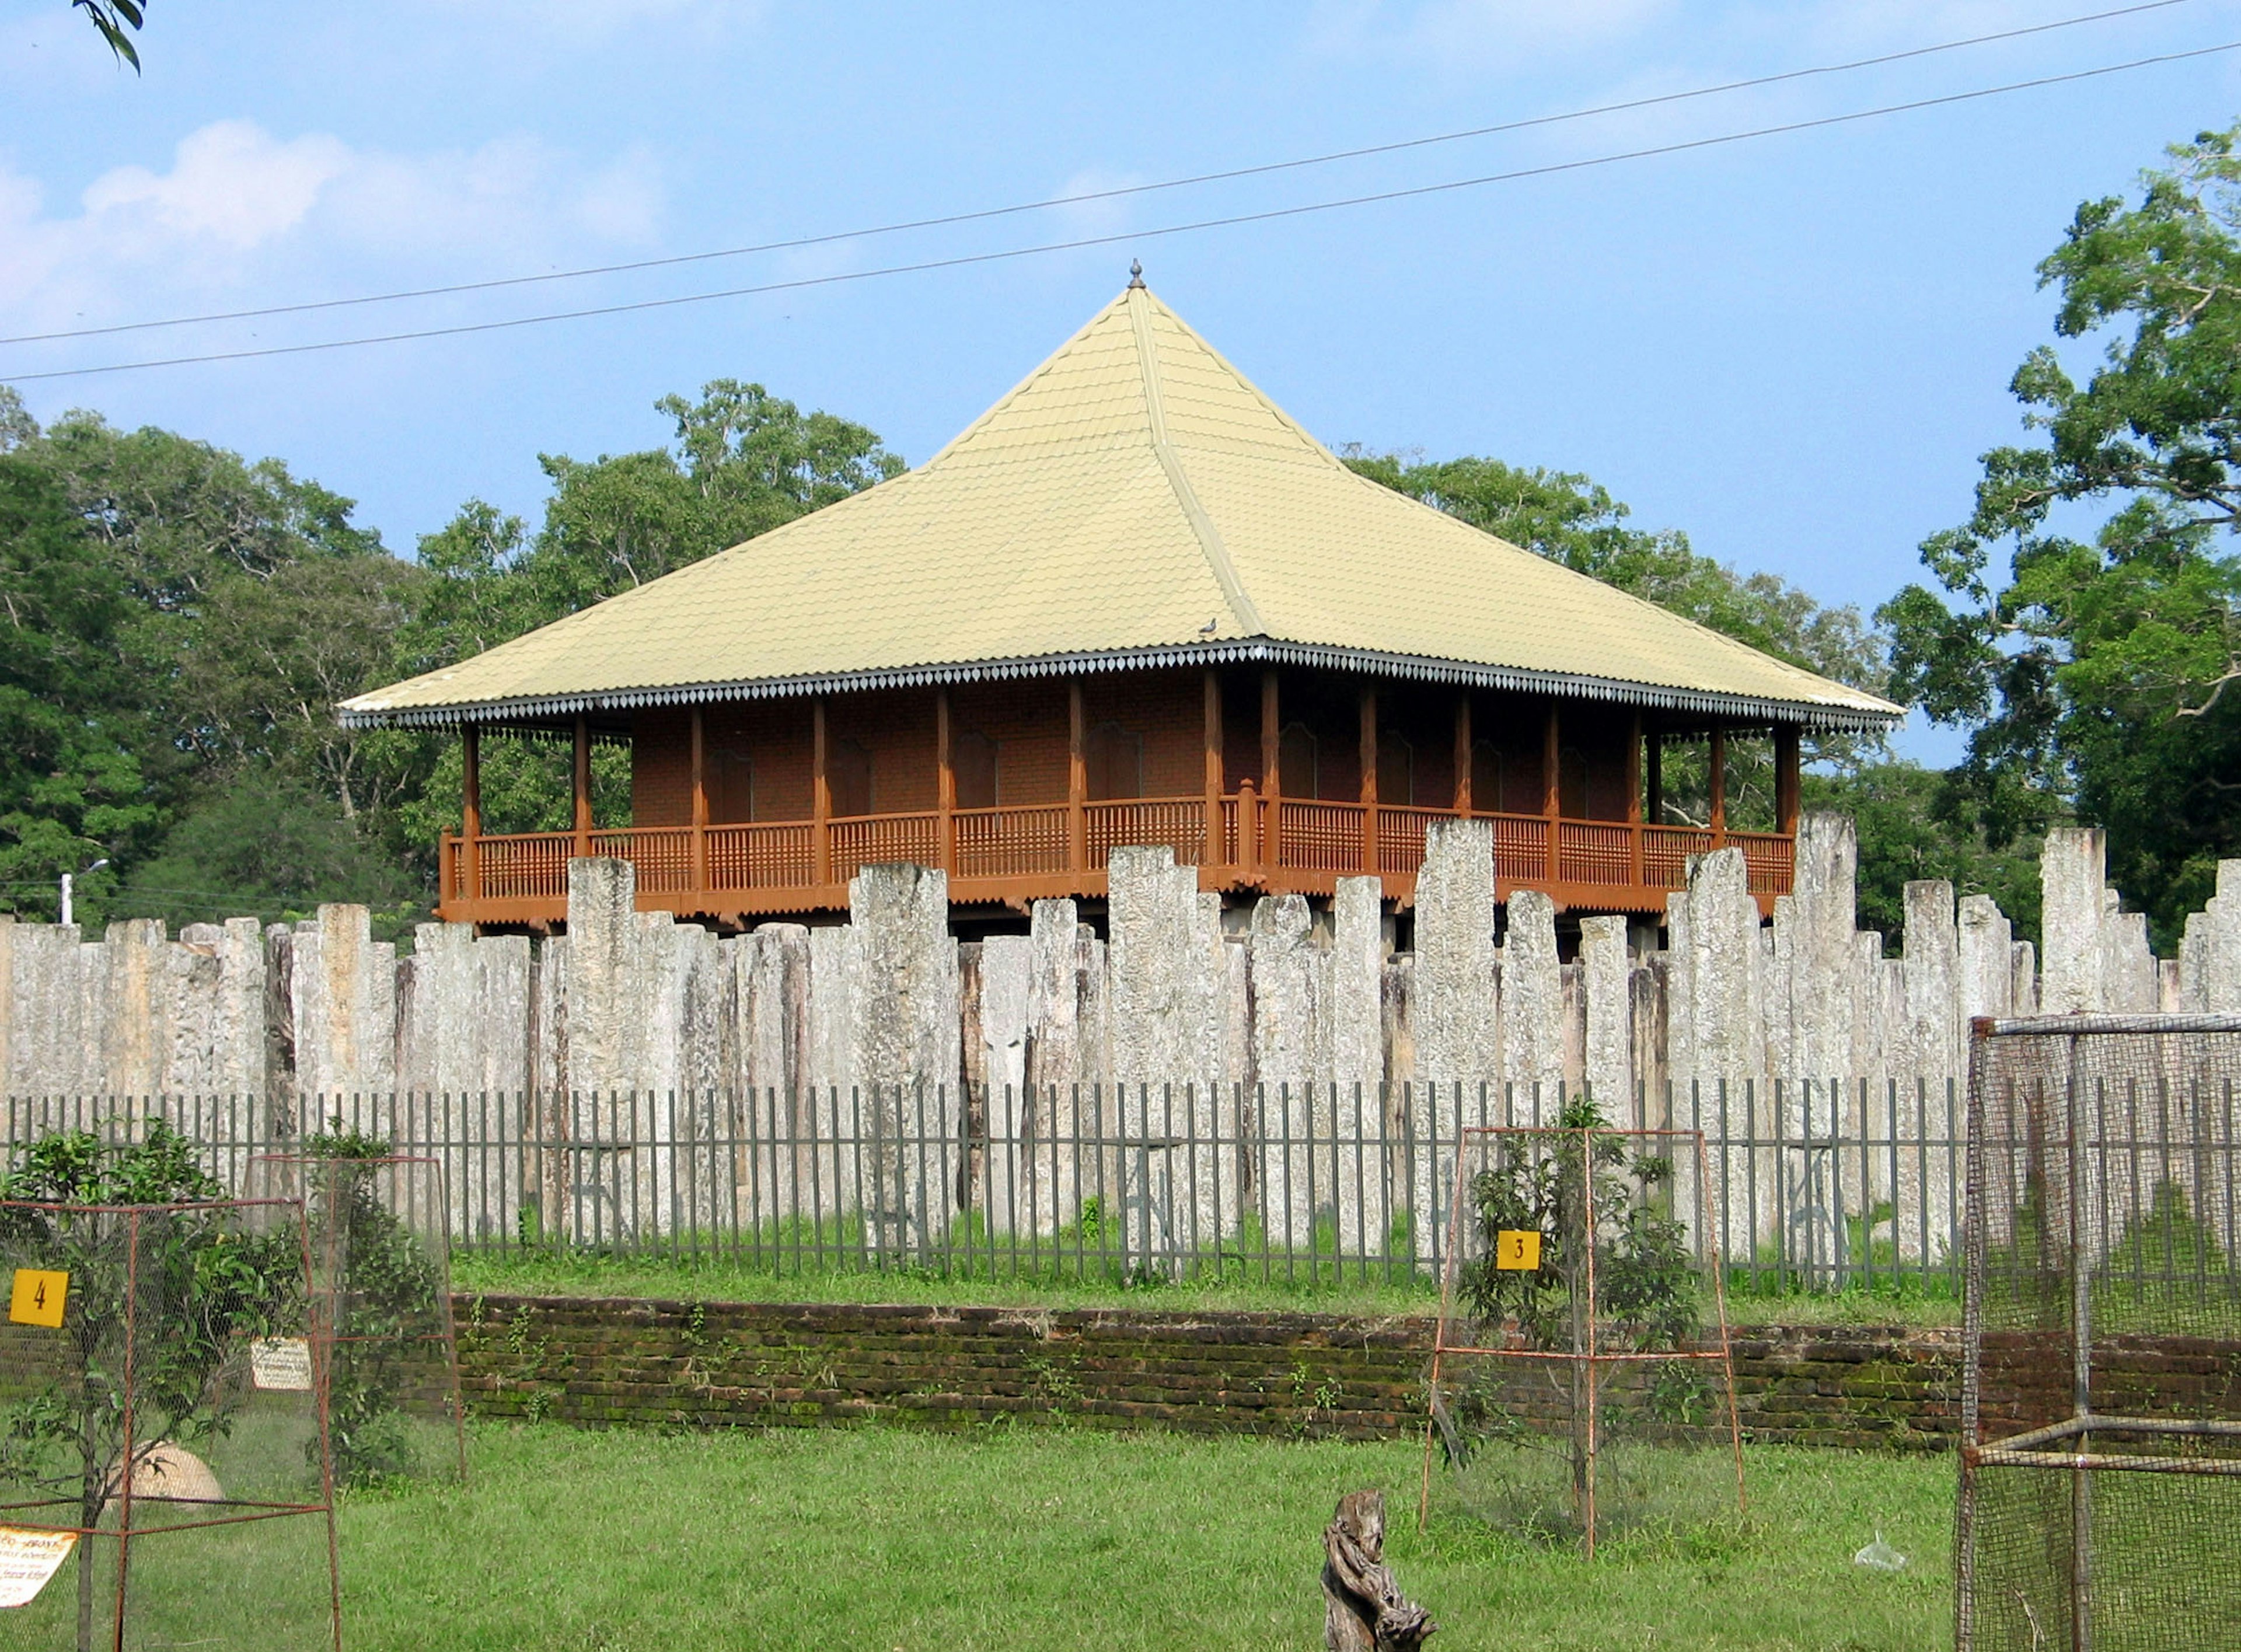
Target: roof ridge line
point(1242, 607)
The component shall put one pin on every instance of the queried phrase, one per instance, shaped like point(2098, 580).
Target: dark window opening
point(974, 761)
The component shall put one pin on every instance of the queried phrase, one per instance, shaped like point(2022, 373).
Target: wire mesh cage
point(164, 1475)
point(381, 1306)
point(2100, 1403)
point(1581, 1384)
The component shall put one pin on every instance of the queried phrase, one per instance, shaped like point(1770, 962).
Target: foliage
point(1916, 823)
point(273, 852)
point(206, 1283)
point(381, 1291)
point(72, 783)
point(1571, 519)
point(1645, 1277)
point(180, 624)
point(117, 22)
point(1595, 1205)
point(2097, 671)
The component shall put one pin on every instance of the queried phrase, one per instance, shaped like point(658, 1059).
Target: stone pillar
point(1607, 984)
point(1291, 1057)
point(1532, 1011)
point(1168, 972)
point(838, 1105)
point(2210, 952)
point(1985, 963)
point(1935, 1064)
point(2073, 872)
point(1006, 1167)
point(345, 1017)
point(2129, 983)
point(1355, 1017)
point(1716, 1037)
point(908, 1060)
point(1062, 1083)
point(1453, 1016)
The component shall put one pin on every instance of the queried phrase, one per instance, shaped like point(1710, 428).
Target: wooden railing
point(1027, 851)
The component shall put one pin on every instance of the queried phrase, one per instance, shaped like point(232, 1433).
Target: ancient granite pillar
point(1452, 1015)
point(1532, 1011)
point(908, 1056)
point(1169, 975)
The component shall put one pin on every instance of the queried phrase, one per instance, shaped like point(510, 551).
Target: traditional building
point(1134, 603)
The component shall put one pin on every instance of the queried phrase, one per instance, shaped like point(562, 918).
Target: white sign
point(28, 1559)
point(281, 1364)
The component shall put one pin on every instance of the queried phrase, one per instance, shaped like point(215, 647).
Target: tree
point(1916, 823)
point(1571, 519)
point(72, 787)
point(380, 1292)
point(1597, 1207)
point(118, 21)
point(2102, 672)
point(186, 1287)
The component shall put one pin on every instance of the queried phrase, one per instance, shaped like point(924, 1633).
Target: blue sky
point(1793, 348)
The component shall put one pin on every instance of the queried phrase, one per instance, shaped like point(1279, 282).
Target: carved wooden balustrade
point(1017, 853)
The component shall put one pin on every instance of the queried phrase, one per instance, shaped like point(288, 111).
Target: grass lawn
point(559, 1273)
point(1050, 1537)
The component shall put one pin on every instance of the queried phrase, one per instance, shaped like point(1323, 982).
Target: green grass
point(1016, 1539)
point(1047, 1538)
point(547, 1271)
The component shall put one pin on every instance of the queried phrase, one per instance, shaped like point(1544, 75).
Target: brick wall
point(608, 1363)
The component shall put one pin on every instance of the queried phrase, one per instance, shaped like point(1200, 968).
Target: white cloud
point(229, 186)
point(242, 214)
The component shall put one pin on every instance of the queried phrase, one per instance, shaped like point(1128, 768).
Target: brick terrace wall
point(611, 1362)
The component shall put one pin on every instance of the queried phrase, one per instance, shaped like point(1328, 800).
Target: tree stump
point(1363, 1608)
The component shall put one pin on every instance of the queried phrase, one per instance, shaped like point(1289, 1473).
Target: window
point(848, 774)
point(1572, 784)
point(972, 761)
point(1296, 761)
point(1116, 761)
point(1487, 778)
point(732, 787)
point(1397, 770)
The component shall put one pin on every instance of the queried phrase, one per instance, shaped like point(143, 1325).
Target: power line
point(1086, 197)
point(1273, 214)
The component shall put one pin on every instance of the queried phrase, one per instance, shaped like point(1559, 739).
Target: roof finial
point(1136, 272)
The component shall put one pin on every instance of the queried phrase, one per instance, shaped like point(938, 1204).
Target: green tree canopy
point(2094, 667)
point(1569, 519)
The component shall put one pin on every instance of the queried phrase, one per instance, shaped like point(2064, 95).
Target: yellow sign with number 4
point(37, 1298)
point(1517, 1250)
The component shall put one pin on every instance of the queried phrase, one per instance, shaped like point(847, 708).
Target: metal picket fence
point(1815, 1184)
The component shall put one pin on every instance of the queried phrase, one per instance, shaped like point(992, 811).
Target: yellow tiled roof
point(1134, 499)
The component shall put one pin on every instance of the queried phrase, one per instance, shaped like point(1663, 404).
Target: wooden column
point(1785, 779)
point(1369, 710)
point(1272, 778)
point(945, 785)
point(470, 807)
point(1077, 780)
point(699, 803)
point(1719, 786)
point(1216, 851)
point(1552, 797)
point(1463, 803)
point(1634, 799)
point(1652, 806)
point(820, 799)
point(583, 776)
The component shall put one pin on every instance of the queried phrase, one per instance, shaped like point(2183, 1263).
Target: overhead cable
point(1270, 215)
point(1083, 197)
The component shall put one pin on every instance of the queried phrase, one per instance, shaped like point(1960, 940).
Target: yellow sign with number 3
point(1517, 1250)
point(38, 1297)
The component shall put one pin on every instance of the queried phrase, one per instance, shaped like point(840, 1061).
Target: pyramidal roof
point(1134, 501)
